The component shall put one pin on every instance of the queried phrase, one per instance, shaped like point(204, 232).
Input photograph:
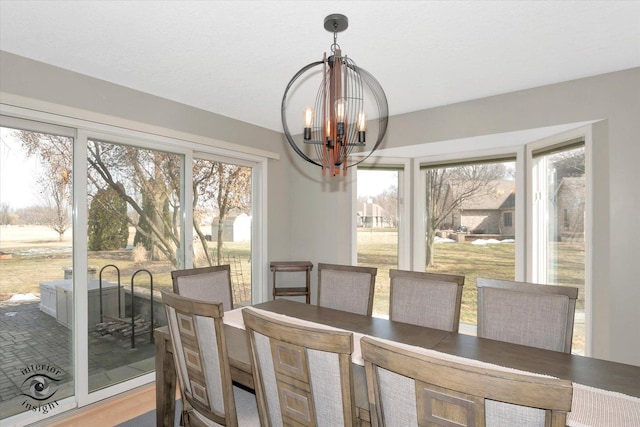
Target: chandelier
point(350, 109)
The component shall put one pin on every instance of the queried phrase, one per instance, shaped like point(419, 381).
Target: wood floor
point(112, 411)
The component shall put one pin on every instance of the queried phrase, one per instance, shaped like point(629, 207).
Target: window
point(508, 219)
point(377, 223)
point(465, 233)
point(559, 197)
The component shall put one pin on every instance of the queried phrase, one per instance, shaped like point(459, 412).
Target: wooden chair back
point(346, 287)
point(201, 360)
point(212, 284)
point(426, 299)
point(526, 313)
point(302, 375)
point(416, 387)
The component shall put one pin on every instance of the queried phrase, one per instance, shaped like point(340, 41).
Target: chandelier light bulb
point(308, 117)
point(362, 124)
point(308, 121)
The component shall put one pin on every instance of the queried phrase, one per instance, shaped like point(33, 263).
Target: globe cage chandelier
point(335, 128)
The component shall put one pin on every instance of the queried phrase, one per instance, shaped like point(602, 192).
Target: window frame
point(404, 168)
point(507, 219)
point(536, 271)
point(419, 185)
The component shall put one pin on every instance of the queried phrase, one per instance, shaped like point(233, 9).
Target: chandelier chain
point(335, 44)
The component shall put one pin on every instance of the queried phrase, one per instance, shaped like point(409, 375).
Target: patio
point(29, 336)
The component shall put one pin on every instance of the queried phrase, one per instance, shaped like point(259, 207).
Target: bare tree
point(388, 201)
point(56, 193)
point(145, 180)
point(449, 187)
point(54, 153)
point(569, 163)
point(227, 188)
point(149, 181)
point(5, 210)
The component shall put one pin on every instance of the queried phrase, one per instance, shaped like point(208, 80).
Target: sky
point(18, 174)
point(374, 182)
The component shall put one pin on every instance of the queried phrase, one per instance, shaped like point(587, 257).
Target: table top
point(583, 370)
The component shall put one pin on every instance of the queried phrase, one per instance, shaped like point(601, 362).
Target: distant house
point(370, 215)
point(491, 212)
point(569, 200)
point(235, 228)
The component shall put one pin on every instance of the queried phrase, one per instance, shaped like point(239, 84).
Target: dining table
point(602, 388)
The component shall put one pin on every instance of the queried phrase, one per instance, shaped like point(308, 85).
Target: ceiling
point(235, 58)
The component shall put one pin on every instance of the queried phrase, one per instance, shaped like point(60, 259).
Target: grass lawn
point(44, 260)
point(378, 248)
point(27, 268)
point(24, 271)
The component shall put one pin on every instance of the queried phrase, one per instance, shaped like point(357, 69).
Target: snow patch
point(24, 297)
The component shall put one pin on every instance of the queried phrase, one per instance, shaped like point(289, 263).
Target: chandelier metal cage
point(350, 109)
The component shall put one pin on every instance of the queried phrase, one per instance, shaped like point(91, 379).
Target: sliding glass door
point(222, 221)
point(134, 240)
point(91, 225)
point(36, 246)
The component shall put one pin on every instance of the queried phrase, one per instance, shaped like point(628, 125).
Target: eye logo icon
point(40, 384)
point(40, 387)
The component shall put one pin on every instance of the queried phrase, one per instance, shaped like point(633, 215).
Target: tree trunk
point(220, 238)
point(429, 251)
point(203, 241)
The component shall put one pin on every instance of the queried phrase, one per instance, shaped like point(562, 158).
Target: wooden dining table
point(600, 374)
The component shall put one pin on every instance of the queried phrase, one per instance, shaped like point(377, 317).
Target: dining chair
point(212, 284)
point(414, 386)
point(431, 300)
point(346, 287)
point(526, 313)
point(302, 374)
point(202, 364)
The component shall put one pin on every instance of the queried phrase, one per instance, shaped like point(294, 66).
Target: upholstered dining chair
point(526, 313)
point(302, 374)
point(211, 284)
point(202, 364)
point(346, 287)
point(426, 299)
point(414, 386)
